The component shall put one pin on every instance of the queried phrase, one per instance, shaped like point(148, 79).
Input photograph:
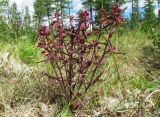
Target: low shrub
point(77, 60)
point(27, 52)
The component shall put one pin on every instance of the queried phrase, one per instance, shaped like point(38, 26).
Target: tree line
point(15, 24)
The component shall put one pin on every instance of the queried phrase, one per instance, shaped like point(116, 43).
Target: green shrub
point(156, 39)
point(27, 52)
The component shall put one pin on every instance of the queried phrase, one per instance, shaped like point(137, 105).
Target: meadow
point(109, 70)
point(127, 90)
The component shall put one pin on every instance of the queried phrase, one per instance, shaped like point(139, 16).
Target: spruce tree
point(135, 15)
point(3, 5)
point(69, 6)
point(27, 22)
point(149, 16)
point(46, 8)
point(42, 9)
point(105, 5)
point(158, 10)
point(3, 24)
point(14, 20)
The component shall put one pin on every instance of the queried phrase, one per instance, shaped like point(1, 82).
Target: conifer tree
point(27, 22)
point(104, 4)
point(135, 11)
point(42, 8)
point(46, 8)
point(149, 10)
point(14, 20)
point(158, 10)
point(149, 16)
point(3, 5)
point(135, 15)
point(69, 6)
point(3, 24)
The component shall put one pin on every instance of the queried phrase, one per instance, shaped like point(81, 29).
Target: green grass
point(28, 52)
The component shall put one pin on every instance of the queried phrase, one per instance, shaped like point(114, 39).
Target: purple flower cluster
point(77, 58)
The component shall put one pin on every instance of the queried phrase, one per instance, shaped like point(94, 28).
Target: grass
point(126, 79)
point(28, 52)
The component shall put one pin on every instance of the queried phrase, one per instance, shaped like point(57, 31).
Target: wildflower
point(120, 20)
point(84, 16)
point(116, 10)
point(44, 31)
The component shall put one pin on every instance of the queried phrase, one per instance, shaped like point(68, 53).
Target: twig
point(151, 94)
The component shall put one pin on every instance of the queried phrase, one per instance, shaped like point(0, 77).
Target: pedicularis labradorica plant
point(77, 59)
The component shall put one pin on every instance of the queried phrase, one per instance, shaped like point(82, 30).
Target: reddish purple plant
point(77, 59)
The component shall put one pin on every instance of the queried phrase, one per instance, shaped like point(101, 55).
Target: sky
point(22, 3)
point(77, 6)
point(128, 5)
